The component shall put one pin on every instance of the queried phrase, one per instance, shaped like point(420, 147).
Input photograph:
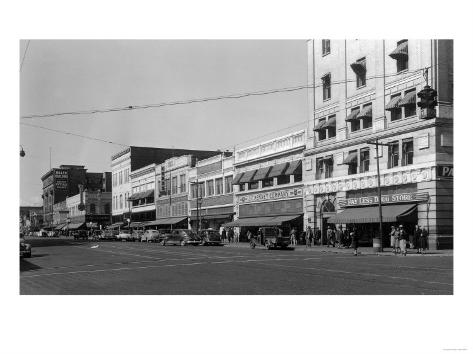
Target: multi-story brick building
point(143, 186)
point(366, 90)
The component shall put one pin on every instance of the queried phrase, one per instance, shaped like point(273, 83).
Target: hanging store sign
point(385, 199)
point(271, 195)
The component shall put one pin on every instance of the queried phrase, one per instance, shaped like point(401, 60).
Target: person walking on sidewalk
point(293, 237)
point(224, 235)
point(397, 239)
point(230, 235)
point(308, 237)
point(338, 236)
point(393, 238)
point(417, 236)
point(330, 237)
point(354, 241)
point(423, 240)
point(403, 238)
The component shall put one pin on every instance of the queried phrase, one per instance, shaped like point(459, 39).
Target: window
point(120, 177)
point(242, 187)
point(324, 168)
point(298, 178)
point(106, 208)
point(283, 180)
point(364, 160)
point(92, 208)
point(210, 187)
point(219, 186)
point(355, 123)
point(393, 155)
point(201, 190)
point(268, 182)
point(182, 180)
point(331, 128)
point(322, 132)
point(193, 190)
point(174, 185)
point(407, 152)
point(167, 186)
point(325, 46)
point(359, 67)
point(326, 88)
point(396, 112)
point(319, 168)
point(367, 116)
point(253, 185)
point(410, 108)
point(328, 167)
point(402, 61)
point(353, 165)
point(228, 184)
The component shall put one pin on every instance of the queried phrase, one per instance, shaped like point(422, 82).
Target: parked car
point(182, 237)
point(25, 248)
point(151, 236)
point(125, 235)
point(210, 238)
point(275, 237)
point(80, 234)
point(136, 235)
point(108, 235)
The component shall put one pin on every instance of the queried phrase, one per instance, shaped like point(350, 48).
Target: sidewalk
point(366, 251)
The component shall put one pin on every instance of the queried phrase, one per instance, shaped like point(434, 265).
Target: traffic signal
point(428, 102)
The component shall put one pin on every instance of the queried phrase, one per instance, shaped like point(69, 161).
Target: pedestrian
point(224, 235)
point(237, 235)
point(393, 238)
point(330, 237)
point(338, 236)
point(423, 240)
point(259, 235)
point(397, 240)
point(309, 236)
point(318, 237)
point(417, 236)
point(412, 240)
point(354, 241)
point(293, 237)
point(403, 238)
point(230, 235)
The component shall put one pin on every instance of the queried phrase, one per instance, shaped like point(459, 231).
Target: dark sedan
point(182, 237)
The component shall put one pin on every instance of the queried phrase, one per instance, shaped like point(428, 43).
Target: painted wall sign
point(445, 171)
point(385, 199)
point(271, 195)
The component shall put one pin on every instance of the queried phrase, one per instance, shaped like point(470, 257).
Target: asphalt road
point(60, 266)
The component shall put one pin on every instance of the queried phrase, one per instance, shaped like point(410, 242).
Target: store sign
point(61, 179)
point(385, 199)
point(271, 195)
point(445, 171)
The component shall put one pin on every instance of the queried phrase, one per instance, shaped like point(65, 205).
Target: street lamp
point(22, 152)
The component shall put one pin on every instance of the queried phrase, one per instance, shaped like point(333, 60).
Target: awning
point(409, 99)
point(236, 179)
point(353, 115)
point(320, 125)
point(116, 225)
point(136, 224)
point(295, 168)
point(391, 213)
point(278, 170)
point(261, 221)
point(166, 221)
point(212, 217)
point(394, 103)
point(75, 226)
point(59, 227)
point(247, 176)
point(400, 52)
point(262, 173)
point(366, 112)
point(351, 159)
point(359, 67)
point(92, 225)
point(141, 195)
point(331, 123)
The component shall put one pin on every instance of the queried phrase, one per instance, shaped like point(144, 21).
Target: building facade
point(268, 184)
point(31, 218)
point(89, 208)
point(211, 192)
point(143, 186)
point(366, 90)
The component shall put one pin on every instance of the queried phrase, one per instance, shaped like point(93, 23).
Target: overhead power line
point(200, 100)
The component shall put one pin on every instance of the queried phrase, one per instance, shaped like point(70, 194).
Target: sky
point(76, 75)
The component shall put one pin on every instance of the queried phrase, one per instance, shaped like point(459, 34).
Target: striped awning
point(248, 176)
point(236, 178)
point(366, 112)
point(261, 221)
point(60, 227)
point(351, 159)
point(400, 52)
point(331, 123)
point(409, 99)
point(262, 173)
point(353, 115)
point(359, 67)
point(116, 225)
point(76, 226)
point(320, 125)
point(295, 168)
point(394, 103)
point(370, 214)
point(278, 170)
point(166, 221)
point(136, 224)
point(141, 195)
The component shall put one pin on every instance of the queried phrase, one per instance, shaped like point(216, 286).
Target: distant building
point(31, 218)
point(89, 208)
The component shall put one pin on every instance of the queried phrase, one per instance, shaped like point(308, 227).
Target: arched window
point(92, 208)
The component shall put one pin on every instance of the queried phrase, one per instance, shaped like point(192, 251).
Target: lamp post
point(378, 241)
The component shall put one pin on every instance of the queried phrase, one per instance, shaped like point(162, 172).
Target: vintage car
point(210, 238)
point(80, 234)
point(151, 236)
point(106, 235)
point(125, 235)
point(275, 237)
point(182, 237)
point(25, 248)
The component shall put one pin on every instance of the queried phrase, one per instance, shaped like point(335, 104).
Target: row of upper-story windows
point(270, 182)
point(121, 201)
point(92, 209)
point(173, 185)
point(143, 187)
point(121, 177)
point(212, 187)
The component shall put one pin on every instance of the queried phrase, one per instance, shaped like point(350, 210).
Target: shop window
point(242, 187)
point(210, 188)
point(283, 179)
point(219, 186)
point(393, 155)
point(407, 152)
point(253, 185)
point(268, 182)
point(228, 184)
point(325, 46)
point(364, 160)
point(326, 87)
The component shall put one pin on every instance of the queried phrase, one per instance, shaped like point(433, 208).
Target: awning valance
point(262, 173)
point(76, 226)
point(236, 178)
point(409, 99)
point(261, 221)
point(394, 103)
point(295, 168)
point(351, 159)
point(359, 67)
point(320, 125)
point(166, 221)
point(353, 115)
point(366, 112)
point(331, 123)
point(141, 195)
point(278, 170)
point(212, 217)
point(116, 225)
point(391, 213)
point(400, 52)
point(247, 176)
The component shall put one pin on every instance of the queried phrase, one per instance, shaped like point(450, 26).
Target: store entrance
point(327, 210)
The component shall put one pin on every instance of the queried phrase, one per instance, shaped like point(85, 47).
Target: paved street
point(64, 266)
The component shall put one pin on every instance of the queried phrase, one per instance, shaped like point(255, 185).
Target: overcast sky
point(74, 75)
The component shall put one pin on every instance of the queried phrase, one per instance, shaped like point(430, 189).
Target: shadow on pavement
point(26, 266)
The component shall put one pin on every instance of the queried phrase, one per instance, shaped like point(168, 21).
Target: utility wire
point(24, 55)
point(200, 100)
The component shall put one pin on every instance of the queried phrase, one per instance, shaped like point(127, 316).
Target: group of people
point(231, 235)
point(400, 239)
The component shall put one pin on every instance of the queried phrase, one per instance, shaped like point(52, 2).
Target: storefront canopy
point(236, 178)
point(116, 225)
point(278, 170)
point(261, 221)
point(75, 226)
point(262, 173)
point(165, 221)
point(136, 224)
point(248, 176)
point(295, 168)
point(141, 195)
point(391, 213)
point(59, 227)
point(212, 217)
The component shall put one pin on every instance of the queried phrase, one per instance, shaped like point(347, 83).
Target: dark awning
point(409, 99)
point(278, 170)
point(351, 159)
point(141, 195)
point(353, 115)
point(212, 217)
point(400, 52)
point(236, 178)
point(75, 226)
point(394, 103)
point(391, 213)
point(261, 221)
point(116, 225)
point(366, 112)
point(331, 123)
point(166, 221)
point(247, 176)
point(359, 67)
point(262, 173)
point(59, 227)
point(320, 125)
point(136, 224)
point(295, 168)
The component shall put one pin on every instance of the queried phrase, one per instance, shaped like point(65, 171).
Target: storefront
point(179, 222)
